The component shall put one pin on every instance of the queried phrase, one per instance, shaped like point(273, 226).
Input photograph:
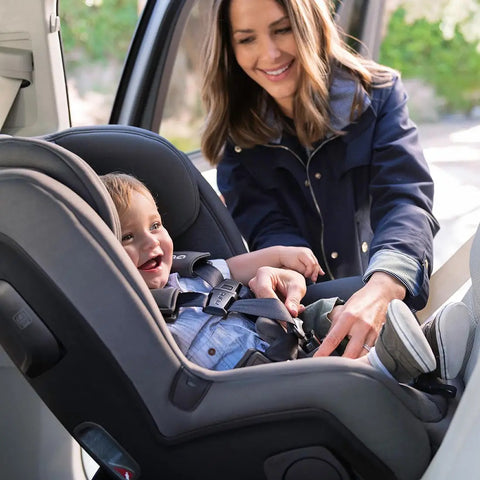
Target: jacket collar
point(342, 94)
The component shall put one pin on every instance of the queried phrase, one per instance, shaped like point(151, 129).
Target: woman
point(314, 147)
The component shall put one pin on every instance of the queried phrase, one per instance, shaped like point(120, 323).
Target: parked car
point(42, 434)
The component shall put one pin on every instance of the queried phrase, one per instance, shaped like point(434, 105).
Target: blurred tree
point(97, 29)
point(450, 63)
point(452, 16)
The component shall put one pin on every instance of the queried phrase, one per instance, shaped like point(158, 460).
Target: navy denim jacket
point(361, 201)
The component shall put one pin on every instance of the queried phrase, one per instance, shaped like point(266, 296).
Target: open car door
point(163, 58)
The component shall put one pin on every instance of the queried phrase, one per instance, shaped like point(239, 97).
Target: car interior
point(90, 339)
point(93, 383)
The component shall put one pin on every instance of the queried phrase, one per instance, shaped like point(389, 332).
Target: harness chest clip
point(222, 296)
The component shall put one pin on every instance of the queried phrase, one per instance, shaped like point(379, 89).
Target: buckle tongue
point(222, 296)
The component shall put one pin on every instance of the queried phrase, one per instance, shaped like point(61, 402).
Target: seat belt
point(16, 66)
point(452, 275)
point(229, 296)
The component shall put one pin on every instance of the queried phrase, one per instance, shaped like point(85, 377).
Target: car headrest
point(63, 166)
point(165, 170)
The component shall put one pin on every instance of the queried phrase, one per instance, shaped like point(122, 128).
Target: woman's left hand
point(362, 316)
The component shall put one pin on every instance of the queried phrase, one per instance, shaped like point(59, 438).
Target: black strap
point(228, 295)
point(220, 301)
point(193, 264)
point(170, 299)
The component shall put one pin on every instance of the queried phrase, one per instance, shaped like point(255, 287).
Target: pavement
point(452, 150)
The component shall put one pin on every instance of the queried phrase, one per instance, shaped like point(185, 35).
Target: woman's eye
point(245, 40)
point(156, 226)
point(283, 31)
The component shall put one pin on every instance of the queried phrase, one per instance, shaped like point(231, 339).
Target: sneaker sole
point(407, 328)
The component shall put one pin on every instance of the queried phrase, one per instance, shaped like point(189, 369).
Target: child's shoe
point(401, 346)
point(448, 335)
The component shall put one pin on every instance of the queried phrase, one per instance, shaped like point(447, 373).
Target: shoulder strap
point(227, 295)
point(193, 264)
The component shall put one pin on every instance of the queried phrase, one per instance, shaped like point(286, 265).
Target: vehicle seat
point(192, 212)
point(93, 344)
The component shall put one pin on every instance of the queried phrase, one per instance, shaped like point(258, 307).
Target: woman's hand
point(362, 316)
point(287, 285)
point(300, 259)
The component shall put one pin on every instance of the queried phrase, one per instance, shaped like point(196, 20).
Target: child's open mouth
point(151, 264)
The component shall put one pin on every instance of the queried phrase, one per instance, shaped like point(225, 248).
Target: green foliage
point(419, 50)
point(101, 31)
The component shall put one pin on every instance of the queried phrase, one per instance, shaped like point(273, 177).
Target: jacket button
point(211, 352)
point(334, 255)
point(307, 183)
point(318, 175)
point(238, 149)
point(364, 247)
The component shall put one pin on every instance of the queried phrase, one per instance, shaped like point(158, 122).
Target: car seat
point(80, 324)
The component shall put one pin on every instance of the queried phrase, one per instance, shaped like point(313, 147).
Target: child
point(401, 351)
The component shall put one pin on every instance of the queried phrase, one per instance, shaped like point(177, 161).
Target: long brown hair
point(239, 109)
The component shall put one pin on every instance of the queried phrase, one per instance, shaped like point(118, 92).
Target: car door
point(32, 80)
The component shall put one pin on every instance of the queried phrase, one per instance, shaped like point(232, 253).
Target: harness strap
point(170, 299)
point(228, 295)
point(195, 264)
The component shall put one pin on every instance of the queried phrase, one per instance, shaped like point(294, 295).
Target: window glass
point(96, 35)
point(184, 114)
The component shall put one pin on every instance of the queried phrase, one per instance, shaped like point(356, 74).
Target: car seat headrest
point(63, 166)
point(164, 169)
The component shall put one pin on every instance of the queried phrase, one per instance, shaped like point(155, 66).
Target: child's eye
point(127, 237)
point(156, 226)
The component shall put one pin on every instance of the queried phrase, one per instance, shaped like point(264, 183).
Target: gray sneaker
point(448, 334)
point(401, 346)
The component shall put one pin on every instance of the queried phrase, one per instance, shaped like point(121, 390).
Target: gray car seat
point(78, 321)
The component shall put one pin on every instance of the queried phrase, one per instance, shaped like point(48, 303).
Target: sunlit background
point(435, 44)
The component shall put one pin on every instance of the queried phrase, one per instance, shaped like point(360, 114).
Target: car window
point(96, 35)
point(183, 114)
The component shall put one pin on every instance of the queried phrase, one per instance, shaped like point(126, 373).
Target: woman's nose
point(270, 50)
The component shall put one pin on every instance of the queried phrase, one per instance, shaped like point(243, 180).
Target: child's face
point(146, 240)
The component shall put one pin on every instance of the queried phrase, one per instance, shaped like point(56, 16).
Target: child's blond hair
point(120, 187)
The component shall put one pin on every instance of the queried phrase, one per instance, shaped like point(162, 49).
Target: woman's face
point(265, 48)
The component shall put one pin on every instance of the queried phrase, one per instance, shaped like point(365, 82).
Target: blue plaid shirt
point(210, 341)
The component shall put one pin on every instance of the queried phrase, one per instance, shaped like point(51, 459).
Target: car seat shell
point(122, 369)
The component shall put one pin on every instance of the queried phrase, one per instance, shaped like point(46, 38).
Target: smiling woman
point(311, 141)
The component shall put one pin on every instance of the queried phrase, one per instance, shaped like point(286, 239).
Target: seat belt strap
point(227, 296)
point(451, 276)
point(191, 264)
point(170, 299)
